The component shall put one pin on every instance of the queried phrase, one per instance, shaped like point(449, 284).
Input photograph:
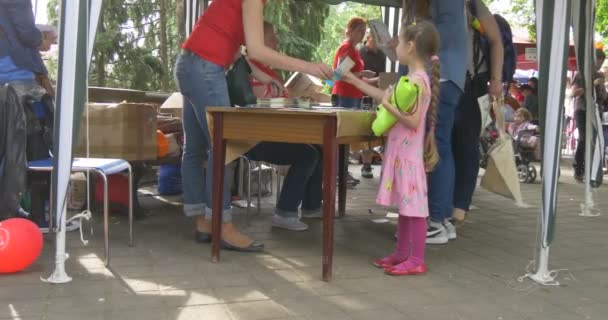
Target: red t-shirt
point(218, 33)
point(342, 88)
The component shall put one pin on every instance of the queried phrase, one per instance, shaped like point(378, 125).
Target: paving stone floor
point(167, 276)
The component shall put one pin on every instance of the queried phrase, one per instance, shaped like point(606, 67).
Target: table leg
point(342, 177)
point(219, 156)
point(329, 195)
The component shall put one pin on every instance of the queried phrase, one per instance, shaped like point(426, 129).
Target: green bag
point(404, 98)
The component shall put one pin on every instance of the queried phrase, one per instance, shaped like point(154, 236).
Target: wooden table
point(326, 127)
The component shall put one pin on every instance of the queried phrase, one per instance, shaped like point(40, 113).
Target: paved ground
point(167, 276)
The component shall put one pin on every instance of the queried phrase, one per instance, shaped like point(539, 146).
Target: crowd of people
point(431, 160)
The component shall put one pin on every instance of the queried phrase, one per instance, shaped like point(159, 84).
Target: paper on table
point(380, 33)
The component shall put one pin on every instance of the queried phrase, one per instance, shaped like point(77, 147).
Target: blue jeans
point(465, 141)
point(349, 103)
point(202, 84)
point(303, 182)
point(441, 180)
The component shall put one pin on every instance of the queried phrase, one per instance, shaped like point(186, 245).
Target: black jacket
point(13, 141)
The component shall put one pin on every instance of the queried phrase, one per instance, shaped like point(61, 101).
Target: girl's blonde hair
point(524, 114)
point(426, 39)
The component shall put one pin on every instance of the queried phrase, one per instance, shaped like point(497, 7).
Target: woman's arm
point(496, 54)
point(258, 74)
point(253, 24)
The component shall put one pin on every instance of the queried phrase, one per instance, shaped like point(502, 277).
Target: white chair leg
point(259, 165)
point(106, 217)
point(130, 206)
point(248, 186)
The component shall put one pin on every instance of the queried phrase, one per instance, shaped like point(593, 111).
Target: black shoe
point(255, 246)
point(367, 172)
point(202, 237)
point(350, 179)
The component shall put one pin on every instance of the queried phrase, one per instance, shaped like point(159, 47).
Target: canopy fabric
point(381, 3)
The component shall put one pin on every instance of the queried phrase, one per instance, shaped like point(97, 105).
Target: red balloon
point(20, 244)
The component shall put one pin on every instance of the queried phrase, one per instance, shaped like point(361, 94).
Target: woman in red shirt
point(348, 96)
point(200, 75)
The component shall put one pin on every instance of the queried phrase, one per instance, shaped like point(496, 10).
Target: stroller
point(524, 155)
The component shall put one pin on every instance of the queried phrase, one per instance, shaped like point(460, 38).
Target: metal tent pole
point(74, 57)
point(553, 54)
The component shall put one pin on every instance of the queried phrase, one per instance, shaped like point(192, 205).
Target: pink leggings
point(411, 239)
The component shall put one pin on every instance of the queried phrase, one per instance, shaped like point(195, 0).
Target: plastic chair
point(104, 167)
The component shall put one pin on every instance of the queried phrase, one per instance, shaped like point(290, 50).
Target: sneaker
point(350, 179)
point(312, 214)
point(436, 233)
point(450, 229)
point(367, 172)
point(289, 223)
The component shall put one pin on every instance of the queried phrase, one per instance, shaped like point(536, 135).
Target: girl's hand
point(367, 74)
point(348, 77)
point(386, 98)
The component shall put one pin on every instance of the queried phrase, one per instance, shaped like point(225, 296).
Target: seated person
point(522, 122)
point(266, 82)
point(303, 183)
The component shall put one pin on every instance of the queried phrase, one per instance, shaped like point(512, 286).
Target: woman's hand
point(393, 43)
point(495, 88)
point(277, 88)
point(320, 70)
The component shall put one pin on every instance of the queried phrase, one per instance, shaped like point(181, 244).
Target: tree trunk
point(100, 61)
point(164, 80)
point(180, 14)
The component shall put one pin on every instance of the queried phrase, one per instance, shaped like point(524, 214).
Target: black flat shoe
point(255, 246)
point(202, 237)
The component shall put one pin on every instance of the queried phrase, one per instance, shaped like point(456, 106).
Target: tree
point(299, 25)
point(601, 18)
point(520, 14)
point(136, 44)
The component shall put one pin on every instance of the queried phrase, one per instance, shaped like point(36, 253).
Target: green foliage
point(601, 18)
point(299, 25)
point(127, 47)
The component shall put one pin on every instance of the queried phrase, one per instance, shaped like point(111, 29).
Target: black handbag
point(239, 87)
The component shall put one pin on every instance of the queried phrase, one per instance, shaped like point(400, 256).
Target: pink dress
point(403, 181)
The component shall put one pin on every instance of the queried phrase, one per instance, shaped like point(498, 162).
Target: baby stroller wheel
point(531, 174)
point(522, 173)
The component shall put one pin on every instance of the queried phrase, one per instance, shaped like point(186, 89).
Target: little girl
point(410, 151)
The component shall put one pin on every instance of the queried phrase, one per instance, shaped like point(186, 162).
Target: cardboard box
point(303, 85)
point(122, 131)
point(173, 105)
